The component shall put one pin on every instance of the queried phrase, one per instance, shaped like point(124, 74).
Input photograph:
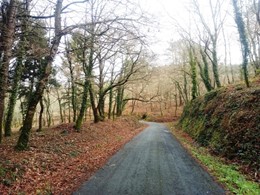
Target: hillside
point(227, 121)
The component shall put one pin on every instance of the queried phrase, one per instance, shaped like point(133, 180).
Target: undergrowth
point(227, 121)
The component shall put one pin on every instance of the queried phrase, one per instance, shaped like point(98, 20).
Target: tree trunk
point(7, 39)
point(243, 39)
point(194, 90)
point(204, 72)
point(182, 96)
point(93, 104)
point(133, 106)
point(114, 111)
point(13, 96)
point(40, 116)
point(73, 87)
point(110, 104)
point(215, 64)
point(101, 107)
point(22, 46)
point(101, 93)
point(48, 113)
point(87, 85)
point(176, 105)
point(37, 95)
point(60, 106)
point(83, 106)
point(119, 100)
point(69, 107)
point(185, 87)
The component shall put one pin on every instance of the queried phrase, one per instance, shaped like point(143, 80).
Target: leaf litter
point(60, 159)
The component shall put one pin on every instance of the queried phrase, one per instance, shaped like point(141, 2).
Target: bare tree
point(213, 33)
point(99, 41)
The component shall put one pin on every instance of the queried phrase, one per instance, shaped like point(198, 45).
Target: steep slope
point(227, 121)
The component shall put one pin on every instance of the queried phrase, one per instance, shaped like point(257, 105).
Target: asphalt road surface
point(153, 163)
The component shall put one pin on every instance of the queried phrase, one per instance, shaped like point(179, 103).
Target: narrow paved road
point(153, 163)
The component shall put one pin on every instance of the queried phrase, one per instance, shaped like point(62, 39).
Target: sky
point(165, 12)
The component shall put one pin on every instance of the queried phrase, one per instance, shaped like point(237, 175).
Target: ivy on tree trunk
point(7, 38)
point(194, 90)
point(243, 39)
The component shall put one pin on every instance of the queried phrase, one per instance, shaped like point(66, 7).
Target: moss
point(197, 127)
point(217, 141)
point(228, 121)
point(210, 95)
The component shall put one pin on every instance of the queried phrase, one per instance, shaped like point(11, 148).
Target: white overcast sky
point(164, 11)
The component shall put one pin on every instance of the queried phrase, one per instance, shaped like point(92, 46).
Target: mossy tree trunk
point(101, 94)
point(37, 95)
point(22, 47)
point(204, 71)
point(93, 104)
point(110, 103)
point(119, 101)
point(243, 39)
point(83, 108)
point(13, 97)
point(213, 29)
point(214, 60)
point(101, 107)
point(185, 86)
point(215, 64)
point(87, 64)
point(192, 62)
point(9, 10)
point(69, 107)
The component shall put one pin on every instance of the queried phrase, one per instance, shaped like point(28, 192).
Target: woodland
point(81, 71)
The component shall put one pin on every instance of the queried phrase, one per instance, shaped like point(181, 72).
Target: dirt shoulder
point(60, 159)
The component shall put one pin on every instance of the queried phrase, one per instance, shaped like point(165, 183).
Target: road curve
point(153, 163)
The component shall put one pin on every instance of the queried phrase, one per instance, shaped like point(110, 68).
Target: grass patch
point(227, 174)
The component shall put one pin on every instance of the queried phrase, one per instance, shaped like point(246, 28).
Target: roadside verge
point(225, 173)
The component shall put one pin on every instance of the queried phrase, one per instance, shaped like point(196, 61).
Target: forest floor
point(59, 159)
